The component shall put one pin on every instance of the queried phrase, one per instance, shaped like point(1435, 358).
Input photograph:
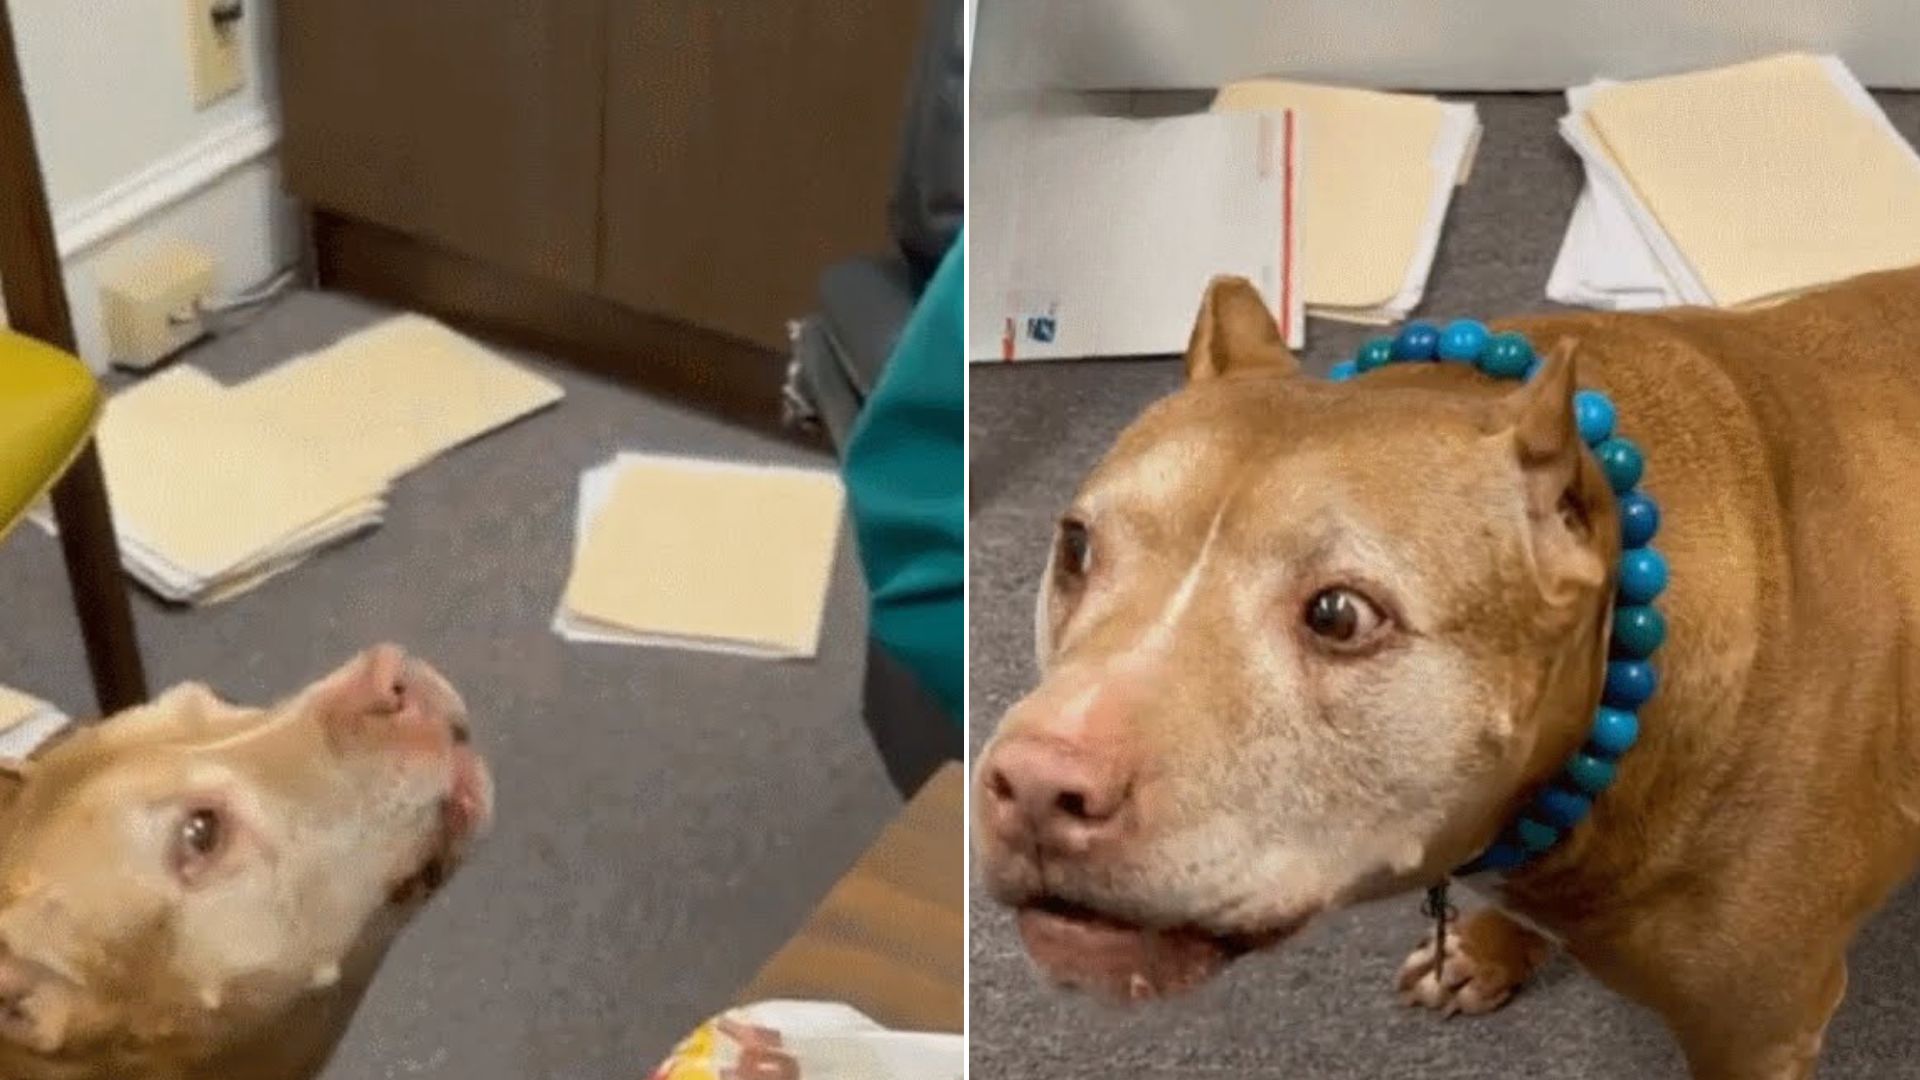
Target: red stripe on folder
point(1286, 232)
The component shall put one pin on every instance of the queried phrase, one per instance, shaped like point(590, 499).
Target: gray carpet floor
point(666, 818)
point(1322, 1007)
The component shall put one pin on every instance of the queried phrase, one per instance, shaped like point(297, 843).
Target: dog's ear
point(1569, 508)
point(1235, 333)
point(37, 1006)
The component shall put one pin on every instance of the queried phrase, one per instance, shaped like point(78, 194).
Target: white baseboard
point(221, 192)
point(181, 174)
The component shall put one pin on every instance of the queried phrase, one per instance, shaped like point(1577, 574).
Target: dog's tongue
point(1116, 961)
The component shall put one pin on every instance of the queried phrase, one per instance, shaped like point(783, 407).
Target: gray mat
point(1322, 1007)
point(666, 818)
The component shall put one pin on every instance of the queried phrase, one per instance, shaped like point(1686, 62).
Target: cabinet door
point(749, 144)
point(474, 125)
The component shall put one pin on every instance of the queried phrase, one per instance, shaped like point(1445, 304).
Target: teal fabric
point(905, 467)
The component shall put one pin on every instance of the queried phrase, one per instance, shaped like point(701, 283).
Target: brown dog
point(1308, 643)
point(194, 889)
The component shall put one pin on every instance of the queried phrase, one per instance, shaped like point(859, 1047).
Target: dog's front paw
point(1489, 956)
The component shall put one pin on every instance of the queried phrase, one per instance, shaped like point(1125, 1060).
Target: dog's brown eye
point(199, 838)
point(1076, 548)
point(1342, 616)
point(200, 832)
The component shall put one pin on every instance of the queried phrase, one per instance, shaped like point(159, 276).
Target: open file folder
point(217, 489)
point(1375, 194)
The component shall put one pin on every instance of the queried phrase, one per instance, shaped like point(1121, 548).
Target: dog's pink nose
point(384, 697)
point(1064, 797)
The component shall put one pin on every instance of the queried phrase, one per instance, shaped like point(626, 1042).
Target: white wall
point(1423, 44)
point(129, 160)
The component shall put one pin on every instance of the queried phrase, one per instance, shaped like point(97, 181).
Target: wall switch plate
point(149, 303)
point(213, 50)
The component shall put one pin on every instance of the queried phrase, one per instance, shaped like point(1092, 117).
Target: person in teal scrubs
point(905, 472)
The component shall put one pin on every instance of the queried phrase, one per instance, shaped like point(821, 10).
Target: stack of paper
point(702, 554)
point(25, 723)
point(1375, 193)
point(1096, 236)
point(209, 500)
point(1734, 187)
point(215, 490)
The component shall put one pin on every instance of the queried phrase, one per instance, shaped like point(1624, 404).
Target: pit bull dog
point(1307, 643)
point(193, 889)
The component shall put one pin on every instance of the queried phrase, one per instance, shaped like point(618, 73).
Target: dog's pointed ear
point(1235, 333)
point(37, 1006)
point(1569, 506)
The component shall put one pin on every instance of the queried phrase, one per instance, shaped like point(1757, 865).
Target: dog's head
point(178, 882)
point(1303, 643)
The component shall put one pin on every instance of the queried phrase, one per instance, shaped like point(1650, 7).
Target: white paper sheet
point(29, 723)
point(820, 1041)
point(1097, 236)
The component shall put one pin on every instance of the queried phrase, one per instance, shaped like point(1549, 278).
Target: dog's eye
point(197, 841)
point(1076, 548)
point(1342, 616)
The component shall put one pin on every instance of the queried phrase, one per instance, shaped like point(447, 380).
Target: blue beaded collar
point(1638, 628)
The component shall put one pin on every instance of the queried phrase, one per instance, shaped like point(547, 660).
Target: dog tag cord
point(1437, 908)
point(1638, 627)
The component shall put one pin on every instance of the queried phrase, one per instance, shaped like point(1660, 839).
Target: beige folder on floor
point(218, 489)
point(1768, 177)
point(705, 554)
point(215, 492)
point(1379, 173)
point(393, 397)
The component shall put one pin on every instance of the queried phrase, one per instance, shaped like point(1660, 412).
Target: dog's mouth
point(466, 812)
point(1087, 949)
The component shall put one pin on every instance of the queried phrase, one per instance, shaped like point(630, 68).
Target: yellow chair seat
point(48, 401)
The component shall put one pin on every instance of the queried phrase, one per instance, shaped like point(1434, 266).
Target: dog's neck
point(297, 1049)
point(1637, 837)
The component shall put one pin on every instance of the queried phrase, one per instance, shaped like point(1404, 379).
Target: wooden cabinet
point(623, 172)
point(468, 125)
point(747, 146)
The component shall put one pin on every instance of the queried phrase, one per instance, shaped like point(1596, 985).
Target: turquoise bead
point(1534, 836)
point(1463, 339)
point(1507, 356)
point(1416, 341)
point(1374, 353)
point(1638, 630)
point(1344, 370)
point(1639, 519)
point(1629, 683)
point(1593, 412)
point(1591, 774)
point(1562, 807)
point(1622, 462)
point(1614, 731)
point(1643, 576)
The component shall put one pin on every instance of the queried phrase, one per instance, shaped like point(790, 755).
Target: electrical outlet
point(149, 303)
point(213, 49)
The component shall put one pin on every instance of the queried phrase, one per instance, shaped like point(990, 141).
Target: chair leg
point(99, 591)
